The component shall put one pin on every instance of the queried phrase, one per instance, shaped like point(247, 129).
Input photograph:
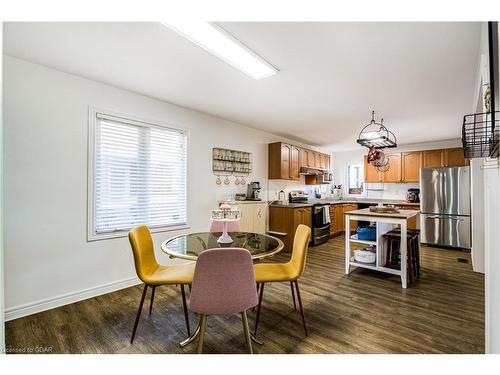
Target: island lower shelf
point(384, 224)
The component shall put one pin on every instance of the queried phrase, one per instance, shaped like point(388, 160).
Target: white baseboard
point(65, 299)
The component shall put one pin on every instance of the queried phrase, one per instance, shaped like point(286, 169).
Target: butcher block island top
point(402, 214)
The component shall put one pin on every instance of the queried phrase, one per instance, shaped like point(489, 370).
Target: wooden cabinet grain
point(310, 158)
point(371, 173)
point(393, 174)
point(283, 161)
point(286, 220)
point(294, 163)
point(337, 217)
point(411, 162)
point(317, 160)
point(433, 158)
point(454, 157)
point(303, 158)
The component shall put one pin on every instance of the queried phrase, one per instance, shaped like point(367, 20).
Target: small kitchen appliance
point(253, 191)
point(298, 196)
point(412, 195)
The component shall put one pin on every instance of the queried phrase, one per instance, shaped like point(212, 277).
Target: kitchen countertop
point(402, 214)
point(312, 202)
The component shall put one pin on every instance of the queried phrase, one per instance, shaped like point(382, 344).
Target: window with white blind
point(137, 176)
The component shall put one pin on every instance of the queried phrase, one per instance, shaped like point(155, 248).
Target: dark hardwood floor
point(365, 312)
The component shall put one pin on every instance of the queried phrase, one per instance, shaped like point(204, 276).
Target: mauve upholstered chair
point(223, 283)
point(232, 226)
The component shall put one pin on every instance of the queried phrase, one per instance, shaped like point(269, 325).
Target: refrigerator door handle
point(444, 217)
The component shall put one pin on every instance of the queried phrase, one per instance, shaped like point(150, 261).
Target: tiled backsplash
point(388, 190)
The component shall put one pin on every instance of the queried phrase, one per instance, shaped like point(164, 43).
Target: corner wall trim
point(65, 299)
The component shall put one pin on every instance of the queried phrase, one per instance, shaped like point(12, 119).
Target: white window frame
point(92, 125)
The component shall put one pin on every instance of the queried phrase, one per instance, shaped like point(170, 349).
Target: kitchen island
point(385, 222)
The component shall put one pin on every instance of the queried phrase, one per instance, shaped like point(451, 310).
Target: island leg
point(347, 244)
point(404, 253)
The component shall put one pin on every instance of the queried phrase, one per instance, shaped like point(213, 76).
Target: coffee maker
point(253, 191)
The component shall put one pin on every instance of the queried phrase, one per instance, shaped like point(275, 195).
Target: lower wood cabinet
point(286, 220)
point(253, 217)
point(337, 217)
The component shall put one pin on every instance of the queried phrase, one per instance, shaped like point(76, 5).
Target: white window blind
point(139, 175)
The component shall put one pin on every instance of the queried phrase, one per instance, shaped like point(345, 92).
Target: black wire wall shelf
point(480, 135)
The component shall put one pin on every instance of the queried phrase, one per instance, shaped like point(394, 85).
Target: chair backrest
point(300, 246)
point(232, 226)
point(224, 282)
point(144, 252)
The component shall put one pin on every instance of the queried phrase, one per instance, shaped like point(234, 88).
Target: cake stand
point(225, 238)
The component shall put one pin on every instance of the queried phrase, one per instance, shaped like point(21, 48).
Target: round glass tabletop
point(189, 246)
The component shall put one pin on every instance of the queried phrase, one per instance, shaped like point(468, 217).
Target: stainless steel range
point(320, 219)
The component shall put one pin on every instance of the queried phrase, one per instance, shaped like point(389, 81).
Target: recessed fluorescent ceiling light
point(224, 46)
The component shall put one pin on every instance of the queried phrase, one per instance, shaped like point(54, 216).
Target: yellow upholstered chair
point(285, 272)
point(154, 274)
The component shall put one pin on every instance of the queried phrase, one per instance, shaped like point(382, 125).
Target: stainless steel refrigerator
point(445, 207)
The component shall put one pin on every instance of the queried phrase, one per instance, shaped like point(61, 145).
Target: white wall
point(2, 326)
point(47, 259)
point(341, 160)
point(491, 216)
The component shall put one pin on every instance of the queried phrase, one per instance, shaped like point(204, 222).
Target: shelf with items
point(354, 238)
point(226, 162)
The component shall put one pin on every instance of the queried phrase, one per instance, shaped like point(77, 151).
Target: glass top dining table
point(189, 246)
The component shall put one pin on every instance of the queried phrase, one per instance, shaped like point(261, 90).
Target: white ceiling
point(419, 76)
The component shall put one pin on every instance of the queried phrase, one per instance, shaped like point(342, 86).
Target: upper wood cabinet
point(411, 162)
point(294, 163)
point(286, 150)
point(303, 158)
point(405, 166)
point(371, 173)
point(449, 157)
point(454, 157)
point(317, 160)
point(285, 160)
point(325, 162)
point(393, 174)
point(311, 159)
point(433, 158)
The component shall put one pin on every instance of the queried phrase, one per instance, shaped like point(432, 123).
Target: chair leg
point(258, 309)
point(300, 305)
point(139, 312)
point(244, 319)
point(184, 305)
point(258, 286)
point(203, 326)
point(293, 296)
point(152, 299)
